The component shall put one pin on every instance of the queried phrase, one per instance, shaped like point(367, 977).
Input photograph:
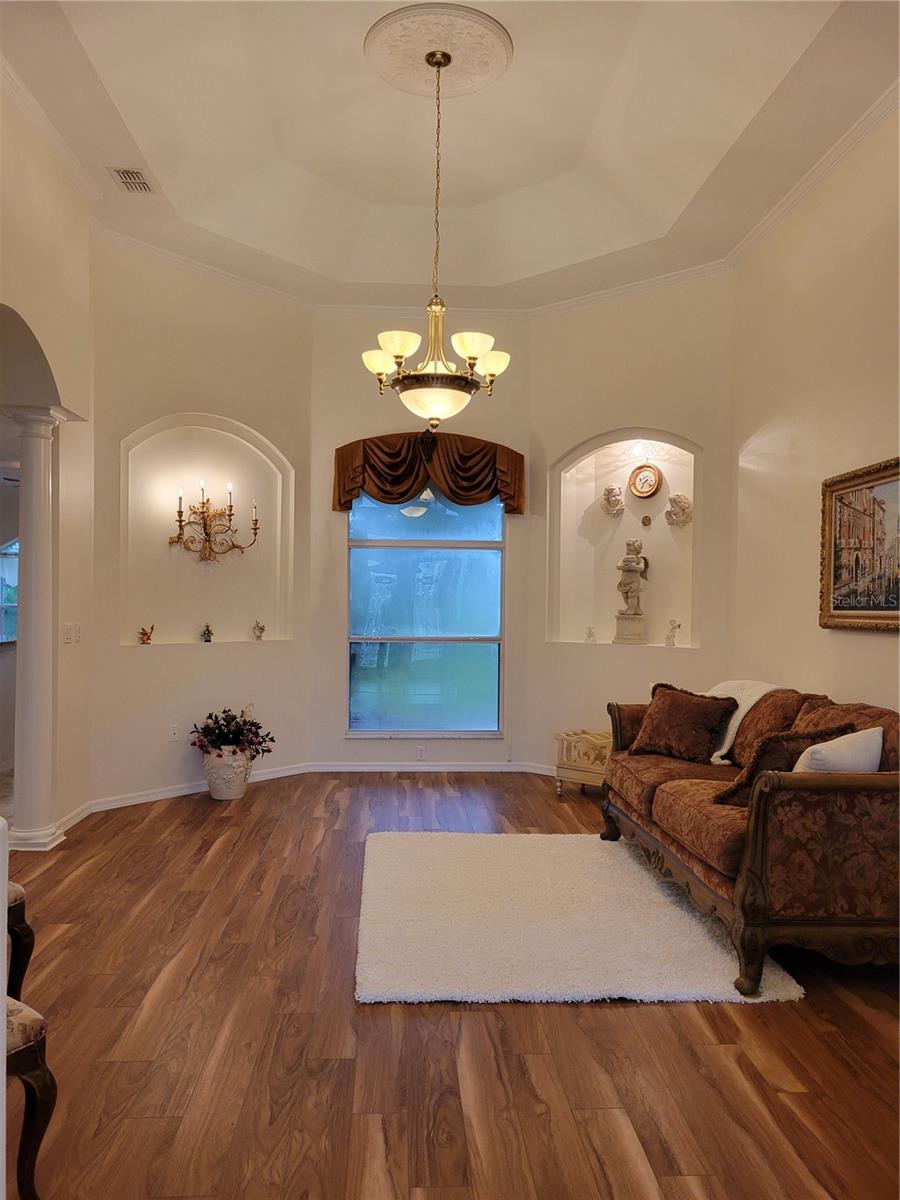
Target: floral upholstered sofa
point(780, 856)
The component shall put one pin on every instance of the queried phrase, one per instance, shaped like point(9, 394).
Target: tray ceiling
point(627, 140)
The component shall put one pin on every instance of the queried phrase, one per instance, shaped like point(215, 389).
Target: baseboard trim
point(36, 839)
point(127, 799)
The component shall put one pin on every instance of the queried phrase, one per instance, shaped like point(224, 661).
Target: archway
point(31, 410)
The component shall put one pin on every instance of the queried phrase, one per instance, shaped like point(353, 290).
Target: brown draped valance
point(396, 467)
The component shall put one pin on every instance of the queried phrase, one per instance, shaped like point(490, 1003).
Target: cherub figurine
point(144, 635)
point(674, 626)
point(633, 567)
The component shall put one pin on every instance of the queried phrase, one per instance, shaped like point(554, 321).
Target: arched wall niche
point(586, 542)
point(168, 587)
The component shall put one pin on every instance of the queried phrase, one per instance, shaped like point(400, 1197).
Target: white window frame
point(432, 544)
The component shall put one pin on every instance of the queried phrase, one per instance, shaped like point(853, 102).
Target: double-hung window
point(9, 591)
point(425, 634)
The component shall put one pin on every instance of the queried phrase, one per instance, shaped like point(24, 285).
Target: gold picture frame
point(859, 582)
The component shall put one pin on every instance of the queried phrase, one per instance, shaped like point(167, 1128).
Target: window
point(425, 615)
point(9, 591)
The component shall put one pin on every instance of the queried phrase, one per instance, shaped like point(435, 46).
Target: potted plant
point(229, 742)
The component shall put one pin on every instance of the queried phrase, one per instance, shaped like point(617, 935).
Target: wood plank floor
point(196, 961)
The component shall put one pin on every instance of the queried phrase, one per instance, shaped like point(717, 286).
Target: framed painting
point(860, 554)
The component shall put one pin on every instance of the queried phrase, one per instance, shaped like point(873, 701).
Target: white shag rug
point(541, 917)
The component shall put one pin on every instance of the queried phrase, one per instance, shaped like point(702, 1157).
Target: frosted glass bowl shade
point(399, 343)
point(471, 345)
point(493, 363)
point(379, 362)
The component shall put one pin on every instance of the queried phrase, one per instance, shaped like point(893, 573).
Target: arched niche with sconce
point(586, 541)
point(171, 588)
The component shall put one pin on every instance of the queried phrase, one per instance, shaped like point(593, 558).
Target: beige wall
point(815, 395)
point(170, 338)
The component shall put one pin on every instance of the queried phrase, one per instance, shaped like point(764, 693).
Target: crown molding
point(117, 238)
point(883, 107)
point(37, 117)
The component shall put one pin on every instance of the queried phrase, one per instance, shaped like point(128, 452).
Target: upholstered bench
point(26, 1043)
point(21, 938)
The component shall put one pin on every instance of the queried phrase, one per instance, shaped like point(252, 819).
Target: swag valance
point(396, 467)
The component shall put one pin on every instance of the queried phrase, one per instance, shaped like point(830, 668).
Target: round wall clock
point(645, 481)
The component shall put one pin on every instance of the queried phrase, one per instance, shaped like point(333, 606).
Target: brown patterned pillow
point(772, 713)
point(812, 703)
point(682, 724)
point(776, 752)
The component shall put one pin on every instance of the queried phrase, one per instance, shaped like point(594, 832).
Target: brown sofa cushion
point(682, 724)
point(777, 752)
point(858, 716)
point(637, 776)
point(688, 810)
point(772, 713)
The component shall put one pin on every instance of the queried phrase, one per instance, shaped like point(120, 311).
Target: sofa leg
point(611, 831)
point(751, 945)
point(21, 940)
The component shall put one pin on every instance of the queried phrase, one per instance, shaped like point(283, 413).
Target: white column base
point(36, 839)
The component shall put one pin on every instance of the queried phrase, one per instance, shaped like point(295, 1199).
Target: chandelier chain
point(437, 182)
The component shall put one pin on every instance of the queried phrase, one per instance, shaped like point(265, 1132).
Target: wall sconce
point(209, 531)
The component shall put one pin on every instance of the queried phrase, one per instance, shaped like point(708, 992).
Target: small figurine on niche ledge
point(258, 630)
point(206, 634)
point(674, 626)
point(590, 636)
point(612, 502)
point(144, 635)
point(680, 511)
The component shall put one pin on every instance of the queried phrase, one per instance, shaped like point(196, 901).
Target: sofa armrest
point(626, 721)
point(821, 846)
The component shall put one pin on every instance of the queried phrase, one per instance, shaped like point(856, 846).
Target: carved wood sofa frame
point(753, 928)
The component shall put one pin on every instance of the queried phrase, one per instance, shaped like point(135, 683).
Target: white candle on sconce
point(228, 489)
point(202, 492)
point(180, 501)
point(253, 502)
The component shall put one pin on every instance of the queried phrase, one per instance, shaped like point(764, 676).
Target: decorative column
point(32, 824)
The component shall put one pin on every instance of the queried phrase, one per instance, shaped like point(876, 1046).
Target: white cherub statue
point(680, 511)
point(633, 569)
point(612, 501)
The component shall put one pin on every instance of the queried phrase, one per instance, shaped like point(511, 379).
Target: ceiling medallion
point(437, 389)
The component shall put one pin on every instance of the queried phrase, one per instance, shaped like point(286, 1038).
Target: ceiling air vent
point(130, 179)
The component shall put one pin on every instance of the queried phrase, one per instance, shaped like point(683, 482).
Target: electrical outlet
point(420, 753)
point(174, 733)
point(77, 631)
point(67, 632)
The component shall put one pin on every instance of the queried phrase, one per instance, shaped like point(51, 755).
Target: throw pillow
point(859, 751)
point(813, 702)
point(773, 713)
point(682, 724)
point(777, 752)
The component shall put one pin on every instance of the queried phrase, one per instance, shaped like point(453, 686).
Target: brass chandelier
point(436, 389)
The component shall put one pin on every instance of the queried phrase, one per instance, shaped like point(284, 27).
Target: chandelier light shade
point(436, 388)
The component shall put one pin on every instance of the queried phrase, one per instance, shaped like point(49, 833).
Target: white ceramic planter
point(227, 776)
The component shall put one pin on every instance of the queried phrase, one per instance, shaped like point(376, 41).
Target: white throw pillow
point(860, 752)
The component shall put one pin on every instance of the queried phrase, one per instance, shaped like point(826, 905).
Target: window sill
point(366, 735)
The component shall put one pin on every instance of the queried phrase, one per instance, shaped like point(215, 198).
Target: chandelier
point(437, 388)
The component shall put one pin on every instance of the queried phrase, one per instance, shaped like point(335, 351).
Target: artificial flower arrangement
point(238, 733)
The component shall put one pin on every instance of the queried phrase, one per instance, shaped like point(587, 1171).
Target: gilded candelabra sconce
point(208, 531)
